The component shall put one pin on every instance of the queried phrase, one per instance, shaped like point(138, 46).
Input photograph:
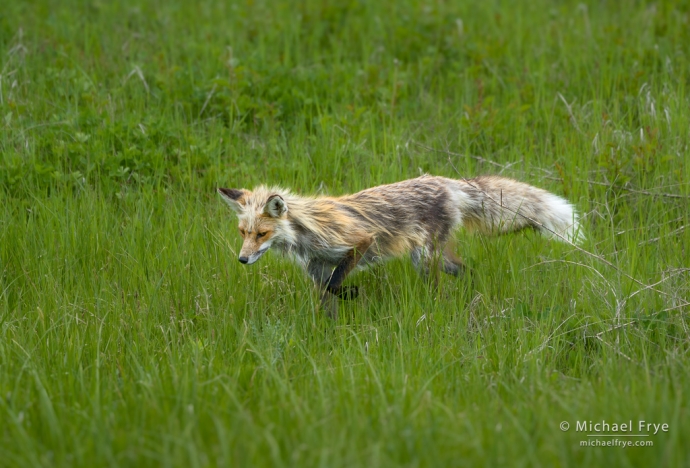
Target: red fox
point(331, 236)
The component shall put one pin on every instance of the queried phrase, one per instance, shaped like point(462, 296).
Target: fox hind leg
point(420, 261)
point(429, 261)
point(452, 264)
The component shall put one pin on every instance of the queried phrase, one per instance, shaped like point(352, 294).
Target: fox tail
point(497, 205)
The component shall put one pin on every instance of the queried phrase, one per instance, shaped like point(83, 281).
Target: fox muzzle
point(254, 256)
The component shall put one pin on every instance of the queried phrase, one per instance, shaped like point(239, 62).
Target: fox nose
point(244, 259)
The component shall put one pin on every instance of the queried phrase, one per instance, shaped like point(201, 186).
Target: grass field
point(131, 336)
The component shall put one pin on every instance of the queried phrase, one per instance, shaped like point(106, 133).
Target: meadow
point(130, 335)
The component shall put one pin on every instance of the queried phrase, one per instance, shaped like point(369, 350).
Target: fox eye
point(259, 235)
point(242, 232)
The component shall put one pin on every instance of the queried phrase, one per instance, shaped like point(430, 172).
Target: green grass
point(131, 336)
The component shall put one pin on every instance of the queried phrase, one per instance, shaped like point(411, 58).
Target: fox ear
point(275, 206)
point(234, 198)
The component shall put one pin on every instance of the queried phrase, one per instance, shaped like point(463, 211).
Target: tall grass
point(130, 335)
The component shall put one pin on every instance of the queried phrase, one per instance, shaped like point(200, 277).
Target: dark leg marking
point(321, 273)
point(452, 265)
point(430, 260)
point(346, 265)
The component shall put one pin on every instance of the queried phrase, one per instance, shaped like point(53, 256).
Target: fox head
point(262, 218)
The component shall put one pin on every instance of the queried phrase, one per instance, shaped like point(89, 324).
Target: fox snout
point(252, 249)
point(248, 259)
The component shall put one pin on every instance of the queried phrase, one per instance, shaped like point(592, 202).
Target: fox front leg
point(344, 267)
point(321, 273)
point(332, 278)
point(329, 303)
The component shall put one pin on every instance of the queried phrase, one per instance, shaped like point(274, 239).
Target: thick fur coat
point(330, 236)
